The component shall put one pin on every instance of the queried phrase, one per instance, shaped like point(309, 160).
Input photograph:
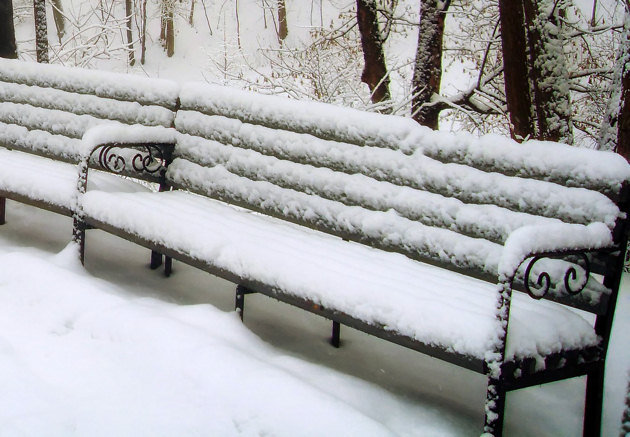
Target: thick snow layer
point(485, 221)
point(40, 142)
point(531, 240)
point(109, 109)
point(578, 167)
point(104, 84)
point(81, 357)
point(51, 181)
point(375, 286)
point(386, 229)
point(123, 134)
point(468, 184)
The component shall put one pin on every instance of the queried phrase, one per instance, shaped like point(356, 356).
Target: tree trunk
point(283, 29)
point(192, 13)
point(143, 37)
point(515, 72)
point(623, 123)
point(60, 23)
point(167, 31)
point(8, 48)
point(549, 73)
point(129, 12)
point(375, 71)
point(41, 30)
point(427, 74)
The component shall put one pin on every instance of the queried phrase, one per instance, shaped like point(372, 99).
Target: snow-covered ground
point(117, 349)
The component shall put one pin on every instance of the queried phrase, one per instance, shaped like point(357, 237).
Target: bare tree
point(623, 118)
point(515, 71)
point(167, 30)
point(427, 75)
point(283, 29)
point(8, 48)
point(374, 71)
point(41, 30)
point(60, 23)
point(548, 70)
point(129, 14)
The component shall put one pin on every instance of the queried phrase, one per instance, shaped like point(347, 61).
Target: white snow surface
point(541, 159)
point(532, 240)
point(374, 286)
point(416, 170)
point(124, 134)
point(52, 181)
point(104, 84)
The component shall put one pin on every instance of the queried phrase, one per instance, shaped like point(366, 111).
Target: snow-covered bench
point(414, 236)
point(44, 112)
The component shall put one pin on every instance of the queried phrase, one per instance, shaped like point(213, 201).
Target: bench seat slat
point(429, 304)
point(484, 221)
point(102, 108)
point(467, 184)
point(50, 182)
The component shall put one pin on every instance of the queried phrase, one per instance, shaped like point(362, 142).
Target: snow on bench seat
point(426, 303)
point(51, 182)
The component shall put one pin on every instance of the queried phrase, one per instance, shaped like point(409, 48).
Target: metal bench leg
point(336, 334)
point(495, 408)
point(3, 205)
point(239, 304)
point(593, 404)
point(78, 236)
point(168, 266)
point(156, 259)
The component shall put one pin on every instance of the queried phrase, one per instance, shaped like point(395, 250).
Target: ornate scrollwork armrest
point(544, 280)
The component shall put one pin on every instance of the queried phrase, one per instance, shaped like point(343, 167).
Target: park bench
point(44, 112)
point(414, 236)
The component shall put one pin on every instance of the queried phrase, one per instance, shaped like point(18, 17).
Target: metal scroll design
point(570, 275)
point(149, 158)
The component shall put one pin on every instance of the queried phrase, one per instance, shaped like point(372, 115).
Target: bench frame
point(502, 376)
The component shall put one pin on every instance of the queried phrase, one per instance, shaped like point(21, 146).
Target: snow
point(103, 84)
point(584, 167)
point(294, 260)
point(119, 350)
point(532, 240)
point(469, 185)
point(51, 181)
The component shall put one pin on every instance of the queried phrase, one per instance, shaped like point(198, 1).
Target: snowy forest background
point(564, 80)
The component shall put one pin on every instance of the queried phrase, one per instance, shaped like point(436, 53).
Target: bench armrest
point(125, 135)
point(530, 241)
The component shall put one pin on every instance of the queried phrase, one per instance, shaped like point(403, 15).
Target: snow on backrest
point(450, 184)
point(46, 109)
point(116, 86)
point(570, 166)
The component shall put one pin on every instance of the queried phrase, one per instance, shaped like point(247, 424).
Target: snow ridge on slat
point(416, 170)
point(602, 171)
point(386, 230)
point(116, 86)
point(485, 221)
point(83, 104)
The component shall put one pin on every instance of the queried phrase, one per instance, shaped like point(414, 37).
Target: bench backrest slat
point(538, 160)
point(467, 184)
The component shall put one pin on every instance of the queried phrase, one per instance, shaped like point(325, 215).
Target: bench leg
point(593, 403)
point(495, 408)
point(3, 205)
point(156, 260)
point(336, 334)
point(78, 236)
point(168, 266)
point(239, 304)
